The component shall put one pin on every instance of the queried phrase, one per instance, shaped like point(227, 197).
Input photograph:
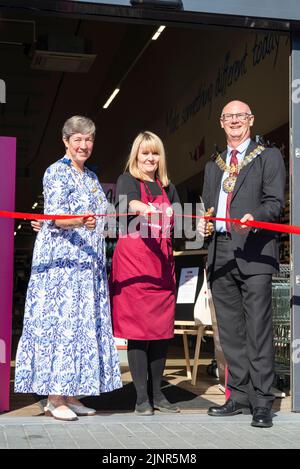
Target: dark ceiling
point(38, 101)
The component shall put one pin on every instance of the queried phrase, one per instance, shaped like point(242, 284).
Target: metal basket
point(281, 315)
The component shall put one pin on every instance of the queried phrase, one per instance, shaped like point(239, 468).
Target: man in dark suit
point(245, 182)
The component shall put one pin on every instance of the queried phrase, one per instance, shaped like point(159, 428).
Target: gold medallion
point(229, 183)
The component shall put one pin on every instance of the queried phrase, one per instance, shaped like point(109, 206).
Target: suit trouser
point(244, 314)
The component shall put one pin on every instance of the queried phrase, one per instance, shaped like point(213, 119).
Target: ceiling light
point(111, 98)
point(158, 33)
point(19, 227)
point(132, 65)
point(34, 205)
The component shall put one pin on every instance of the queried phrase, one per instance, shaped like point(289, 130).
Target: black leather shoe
point(262, 417)
point(145, 408)
point(163, 405)
point(230, 407)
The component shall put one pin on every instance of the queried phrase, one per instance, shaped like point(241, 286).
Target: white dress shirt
point(221, 209)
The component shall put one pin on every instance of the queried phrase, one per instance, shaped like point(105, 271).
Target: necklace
point(79, 177)
point(233, 170)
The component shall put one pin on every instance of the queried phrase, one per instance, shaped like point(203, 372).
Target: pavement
point(126, 431)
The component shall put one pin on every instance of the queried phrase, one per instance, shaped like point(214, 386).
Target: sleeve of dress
point(56, 192)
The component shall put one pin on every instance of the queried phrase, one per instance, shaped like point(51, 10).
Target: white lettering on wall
point(2, 91)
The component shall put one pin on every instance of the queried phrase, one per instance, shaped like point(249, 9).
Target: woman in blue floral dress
point(67, 348)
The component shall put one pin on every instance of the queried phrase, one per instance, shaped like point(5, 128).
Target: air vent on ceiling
point(62, 61)
point(62, 53)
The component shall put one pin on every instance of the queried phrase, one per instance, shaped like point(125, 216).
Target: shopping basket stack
point(281, 318)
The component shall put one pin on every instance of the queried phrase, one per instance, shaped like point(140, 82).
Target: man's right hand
point(36, 225)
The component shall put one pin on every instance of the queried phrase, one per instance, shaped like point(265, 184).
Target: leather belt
point(223, 235)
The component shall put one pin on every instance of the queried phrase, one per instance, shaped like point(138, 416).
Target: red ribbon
point(41, 216)
point(254, 224)
point(35, 216)
point(261, 225)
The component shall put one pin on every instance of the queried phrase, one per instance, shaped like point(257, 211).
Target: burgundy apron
point(142, 280)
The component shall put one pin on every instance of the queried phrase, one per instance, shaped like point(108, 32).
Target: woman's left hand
point(36, 225)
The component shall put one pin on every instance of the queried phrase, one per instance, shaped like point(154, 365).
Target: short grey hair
point(78, 125)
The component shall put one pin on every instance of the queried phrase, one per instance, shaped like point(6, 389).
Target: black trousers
point(244, 314)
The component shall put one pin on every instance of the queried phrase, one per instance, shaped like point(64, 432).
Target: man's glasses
point(241, 116)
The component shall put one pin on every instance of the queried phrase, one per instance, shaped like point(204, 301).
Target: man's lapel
point(218, 178)
point(244, 171)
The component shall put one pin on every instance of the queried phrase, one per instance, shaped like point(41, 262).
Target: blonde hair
point(78, 125)
point(154, 144)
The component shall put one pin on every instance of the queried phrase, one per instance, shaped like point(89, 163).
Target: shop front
point(207, 55)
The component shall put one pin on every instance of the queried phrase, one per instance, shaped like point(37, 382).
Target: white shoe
point(81, 410)
point(59, 413)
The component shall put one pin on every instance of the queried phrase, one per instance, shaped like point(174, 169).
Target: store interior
point(174, 85)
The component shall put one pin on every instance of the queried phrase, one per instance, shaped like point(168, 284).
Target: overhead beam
point(230, 13)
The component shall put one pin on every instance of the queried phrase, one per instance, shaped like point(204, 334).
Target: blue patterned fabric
point(67, 347)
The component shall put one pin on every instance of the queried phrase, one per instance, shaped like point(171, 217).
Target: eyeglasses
point(241, 116)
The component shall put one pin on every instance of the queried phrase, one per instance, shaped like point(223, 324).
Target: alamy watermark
point(179, 222)
point(2, 92)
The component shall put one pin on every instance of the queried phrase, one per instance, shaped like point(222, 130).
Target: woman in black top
point(128, 189)
point(143, 274)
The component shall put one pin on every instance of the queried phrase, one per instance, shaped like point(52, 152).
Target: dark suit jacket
point(259, 190)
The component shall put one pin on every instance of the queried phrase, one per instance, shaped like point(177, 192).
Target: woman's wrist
point(70, 224)
point(79, 223)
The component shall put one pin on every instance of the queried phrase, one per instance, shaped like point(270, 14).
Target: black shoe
point(164, 405)
point(144, 409)
point(230, 407)
point(262, 417)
